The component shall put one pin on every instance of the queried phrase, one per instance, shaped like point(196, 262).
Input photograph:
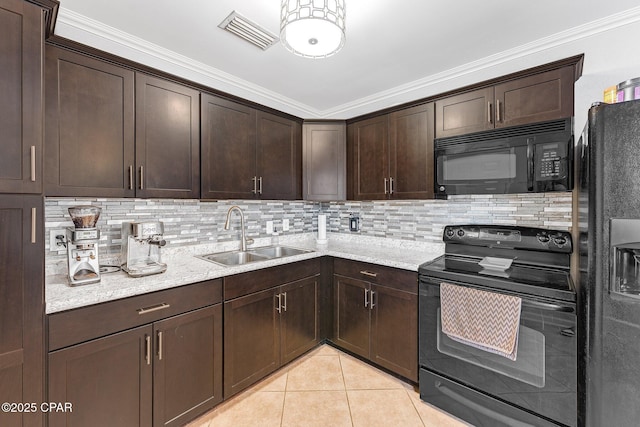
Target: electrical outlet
point(53, 242)
point(269, 227)
point(285, 224)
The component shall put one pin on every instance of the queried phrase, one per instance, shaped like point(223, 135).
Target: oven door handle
point(547, 306)
point(505, 419)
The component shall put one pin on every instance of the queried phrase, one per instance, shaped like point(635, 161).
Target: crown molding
point(219, 79)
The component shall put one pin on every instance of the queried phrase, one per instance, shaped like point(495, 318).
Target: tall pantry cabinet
point(21, 213)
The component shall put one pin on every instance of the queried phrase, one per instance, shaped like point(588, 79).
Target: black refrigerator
point(607, 230)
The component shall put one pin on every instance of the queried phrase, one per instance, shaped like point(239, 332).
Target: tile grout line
point(414, 407)
point(346, 395)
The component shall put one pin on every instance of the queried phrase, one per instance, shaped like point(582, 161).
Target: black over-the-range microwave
point(524, 159)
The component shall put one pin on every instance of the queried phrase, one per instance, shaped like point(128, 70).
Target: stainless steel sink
point(279, 251)
point(254, 255)
point(233, 258)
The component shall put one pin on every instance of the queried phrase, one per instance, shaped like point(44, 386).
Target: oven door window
point(529, 367)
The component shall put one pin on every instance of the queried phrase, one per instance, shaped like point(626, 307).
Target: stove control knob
point(460, 233)
point(560, 241)
point(543, 238)
point(450, 232)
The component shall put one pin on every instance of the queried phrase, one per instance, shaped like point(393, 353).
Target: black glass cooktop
point(518, 278)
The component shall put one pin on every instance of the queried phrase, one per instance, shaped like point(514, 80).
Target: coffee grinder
point(82, 245)
point(141, 243)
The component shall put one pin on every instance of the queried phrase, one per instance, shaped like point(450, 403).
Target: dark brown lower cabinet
point(376, 315)
point(163, 373)
point(268, 328)
point(107, 381)
point(21, 308)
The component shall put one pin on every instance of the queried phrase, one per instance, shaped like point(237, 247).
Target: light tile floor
point(327, 388)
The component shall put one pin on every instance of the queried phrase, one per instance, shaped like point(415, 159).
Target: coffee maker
point(141, 243)
point(82, 245)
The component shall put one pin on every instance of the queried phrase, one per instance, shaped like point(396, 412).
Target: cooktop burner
point(536, 261)
point(533, 280)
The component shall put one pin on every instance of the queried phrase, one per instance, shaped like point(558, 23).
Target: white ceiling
point(393, 48)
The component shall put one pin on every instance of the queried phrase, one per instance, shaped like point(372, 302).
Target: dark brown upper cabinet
point(89, 127)
point(536, 98)
point(167, 139)
point(247, 153)
point(324, 167)
point(21, 44)
point(278, 157)
point(411, 153)
point(111, 132)
point(391, 156)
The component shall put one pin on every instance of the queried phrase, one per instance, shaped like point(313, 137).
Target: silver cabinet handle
point(279, 307)
point(385, 186)
point(142, 177)
point(159, 345)
point(130, 177)
point(147, 349)
point(366, 299)
point(255, 185)
point(153, 308)
point(489, 112)
point(371, 303)
point(34, 215)
point(260, 186)
point(368, 273)
point(284, 305)
point(497, 110)
point(33, 163)
point(390, 185)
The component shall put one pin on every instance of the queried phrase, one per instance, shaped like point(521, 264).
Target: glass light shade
point(313, 28)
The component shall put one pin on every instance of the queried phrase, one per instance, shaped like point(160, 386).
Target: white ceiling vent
point(247, 30)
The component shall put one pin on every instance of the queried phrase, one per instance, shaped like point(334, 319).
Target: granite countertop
point(184, 268)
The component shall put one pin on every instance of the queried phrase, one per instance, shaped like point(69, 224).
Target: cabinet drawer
point(259, 280)
point(396, 278)
point(82, 324)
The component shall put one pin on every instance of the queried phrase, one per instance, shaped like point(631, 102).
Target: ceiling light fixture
point(313, 28)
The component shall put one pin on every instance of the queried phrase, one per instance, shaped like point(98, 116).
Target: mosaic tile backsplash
point(192, 222)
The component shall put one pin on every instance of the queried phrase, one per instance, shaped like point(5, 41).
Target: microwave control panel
point(551, 161)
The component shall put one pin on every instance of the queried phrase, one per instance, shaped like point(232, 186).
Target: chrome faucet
point(244, 241)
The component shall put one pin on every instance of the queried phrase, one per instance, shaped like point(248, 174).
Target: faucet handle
point(249, 241)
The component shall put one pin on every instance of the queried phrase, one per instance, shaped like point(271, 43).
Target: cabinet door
point(108, 381)
point(394, 331)
point(352, 314)
point(187, 366)
point(167, 139)
point(251, 340)
point(411, 151)
point(538, 98)
point(298, 318)
point(278, 157)
point(465, 113)
point(21, 44)
point(228, 143)
point(89, 127)
point(21, 306)
point(324, 166)
point(369, 159)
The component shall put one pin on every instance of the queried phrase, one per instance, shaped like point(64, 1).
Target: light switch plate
point(269, 227)
point(285, 224)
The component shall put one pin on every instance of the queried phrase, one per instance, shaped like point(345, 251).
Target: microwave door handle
point(530, 168)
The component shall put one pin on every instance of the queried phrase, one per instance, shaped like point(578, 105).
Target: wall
point(191, 222)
